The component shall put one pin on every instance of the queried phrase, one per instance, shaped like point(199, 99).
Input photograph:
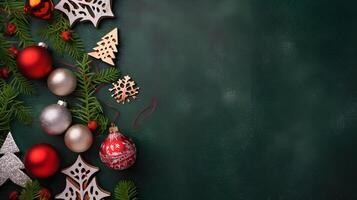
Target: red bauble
point(34, 62)
point(92, 125)
point(117, 151)
point(42, 9)
point(44, 194)
point(41, 160)
point(10, 29)
point(14, 195)
point(66, 36)
point(4, 72)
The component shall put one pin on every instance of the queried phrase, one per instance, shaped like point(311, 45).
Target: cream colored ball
point(78, 138)
point(61, 82)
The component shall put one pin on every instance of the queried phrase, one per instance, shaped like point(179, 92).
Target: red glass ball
point(34, 62)
point(42, 160)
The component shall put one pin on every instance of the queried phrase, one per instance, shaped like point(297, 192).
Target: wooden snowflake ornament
point(79, 185)
point(85, 10)
point(106, 47)
point(124, 89)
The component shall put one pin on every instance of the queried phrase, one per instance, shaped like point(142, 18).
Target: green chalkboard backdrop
point(255, 99)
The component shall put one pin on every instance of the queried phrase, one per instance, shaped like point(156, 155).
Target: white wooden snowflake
point(124, 89)
point(85, 10)
point(106, 47)
point(79, 185)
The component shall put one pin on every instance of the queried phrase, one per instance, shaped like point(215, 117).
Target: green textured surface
point(256, 99)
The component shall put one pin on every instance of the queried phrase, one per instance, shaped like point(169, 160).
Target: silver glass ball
point(61, 82)
point(78, 138)
point(55, 119)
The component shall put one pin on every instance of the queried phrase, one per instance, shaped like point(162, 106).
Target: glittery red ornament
point(42, 9)
point(117, 151)
point(10, 29)
point(66, 36)
point(41, 160)
point(34, 62)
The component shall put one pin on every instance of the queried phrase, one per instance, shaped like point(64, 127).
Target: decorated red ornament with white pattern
point(117, 151)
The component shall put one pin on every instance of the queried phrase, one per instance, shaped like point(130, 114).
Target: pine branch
point(125, 190)
point(52, 33)
point(106, 76)
point(31, 191)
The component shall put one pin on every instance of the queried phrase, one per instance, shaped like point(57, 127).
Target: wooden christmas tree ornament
point(106, 47)
point(124, 89)
point(80, 185)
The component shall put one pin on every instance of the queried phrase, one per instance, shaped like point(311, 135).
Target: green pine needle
point(125, 190)
point(31, 191)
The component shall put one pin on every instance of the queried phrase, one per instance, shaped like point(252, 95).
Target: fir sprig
point(88, 107)
point(31, 191)
point(52, 33)
point(125, 190)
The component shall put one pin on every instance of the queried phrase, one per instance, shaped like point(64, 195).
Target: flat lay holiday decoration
point(42, 9)
point(10, 165)
point(80, 185)
point(34, 62)
point(85, 10)
point(117, 151)
point(78, 138)
point(124, 89)
point(42, 160)
point(55, 118)
point(107, 47)
point(61, 82)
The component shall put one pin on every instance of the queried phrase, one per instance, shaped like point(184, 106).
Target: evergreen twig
point(31, 191)
point(125, 190)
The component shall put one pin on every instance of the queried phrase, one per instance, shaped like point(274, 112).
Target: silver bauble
point(78, 138)
point(55, 118)
point(61, 82)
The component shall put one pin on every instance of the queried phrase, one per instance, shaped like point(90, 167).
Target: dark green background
point(256, 99)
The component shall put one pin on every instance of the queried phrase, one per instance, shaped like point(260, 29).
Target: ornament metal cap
point(113, 128)
point(62, 103)
point(42, 44)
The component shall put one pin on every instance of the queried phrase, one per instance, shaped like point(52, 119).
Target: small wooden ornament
point(106, 47)
point(85, 10)
point(80, 185)
point(124, 89)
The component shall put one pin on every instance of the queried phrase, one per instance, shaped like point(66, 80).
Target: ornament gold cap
point(42, 44)
point(62, 103)
point(113, 128)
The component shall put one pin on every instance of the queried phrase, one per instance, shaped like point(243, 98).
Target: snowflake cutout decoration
point(85, 10)
point(106, 47)
point(124, 89)
point(79, 185)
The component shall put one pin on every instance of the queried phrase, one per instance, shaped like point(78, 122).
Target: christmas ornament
point(61, 82)
point(66, 36)
point(42, 9)
point(106, 47)
point(44, 194)
point(34, 62)
point(13, 51)
point(10, 29)
point(4, 72)
point(117, 151)
point(92, 125)
point(78, 138)
point(80, 185)
point(55, 118)
point(123, 89)
point(89, 10)
point(10, 165)
point(14, 195)
point(42, 160)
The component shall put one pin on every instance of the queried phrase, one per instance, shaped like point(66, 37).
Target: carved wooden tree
point(106, 47)
point(10, 164)
point(80, 185)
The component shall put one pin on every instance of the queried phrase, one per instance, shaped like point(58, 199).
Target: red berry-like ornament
point(41, 160)
point(117, 151)
point(4, 72)
point(92, 125)
point(10, 29)
point(14, 195)
point(13, 51)
point(42, 9)
point(44, 194)
point(34, 62)
point(66, 36)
